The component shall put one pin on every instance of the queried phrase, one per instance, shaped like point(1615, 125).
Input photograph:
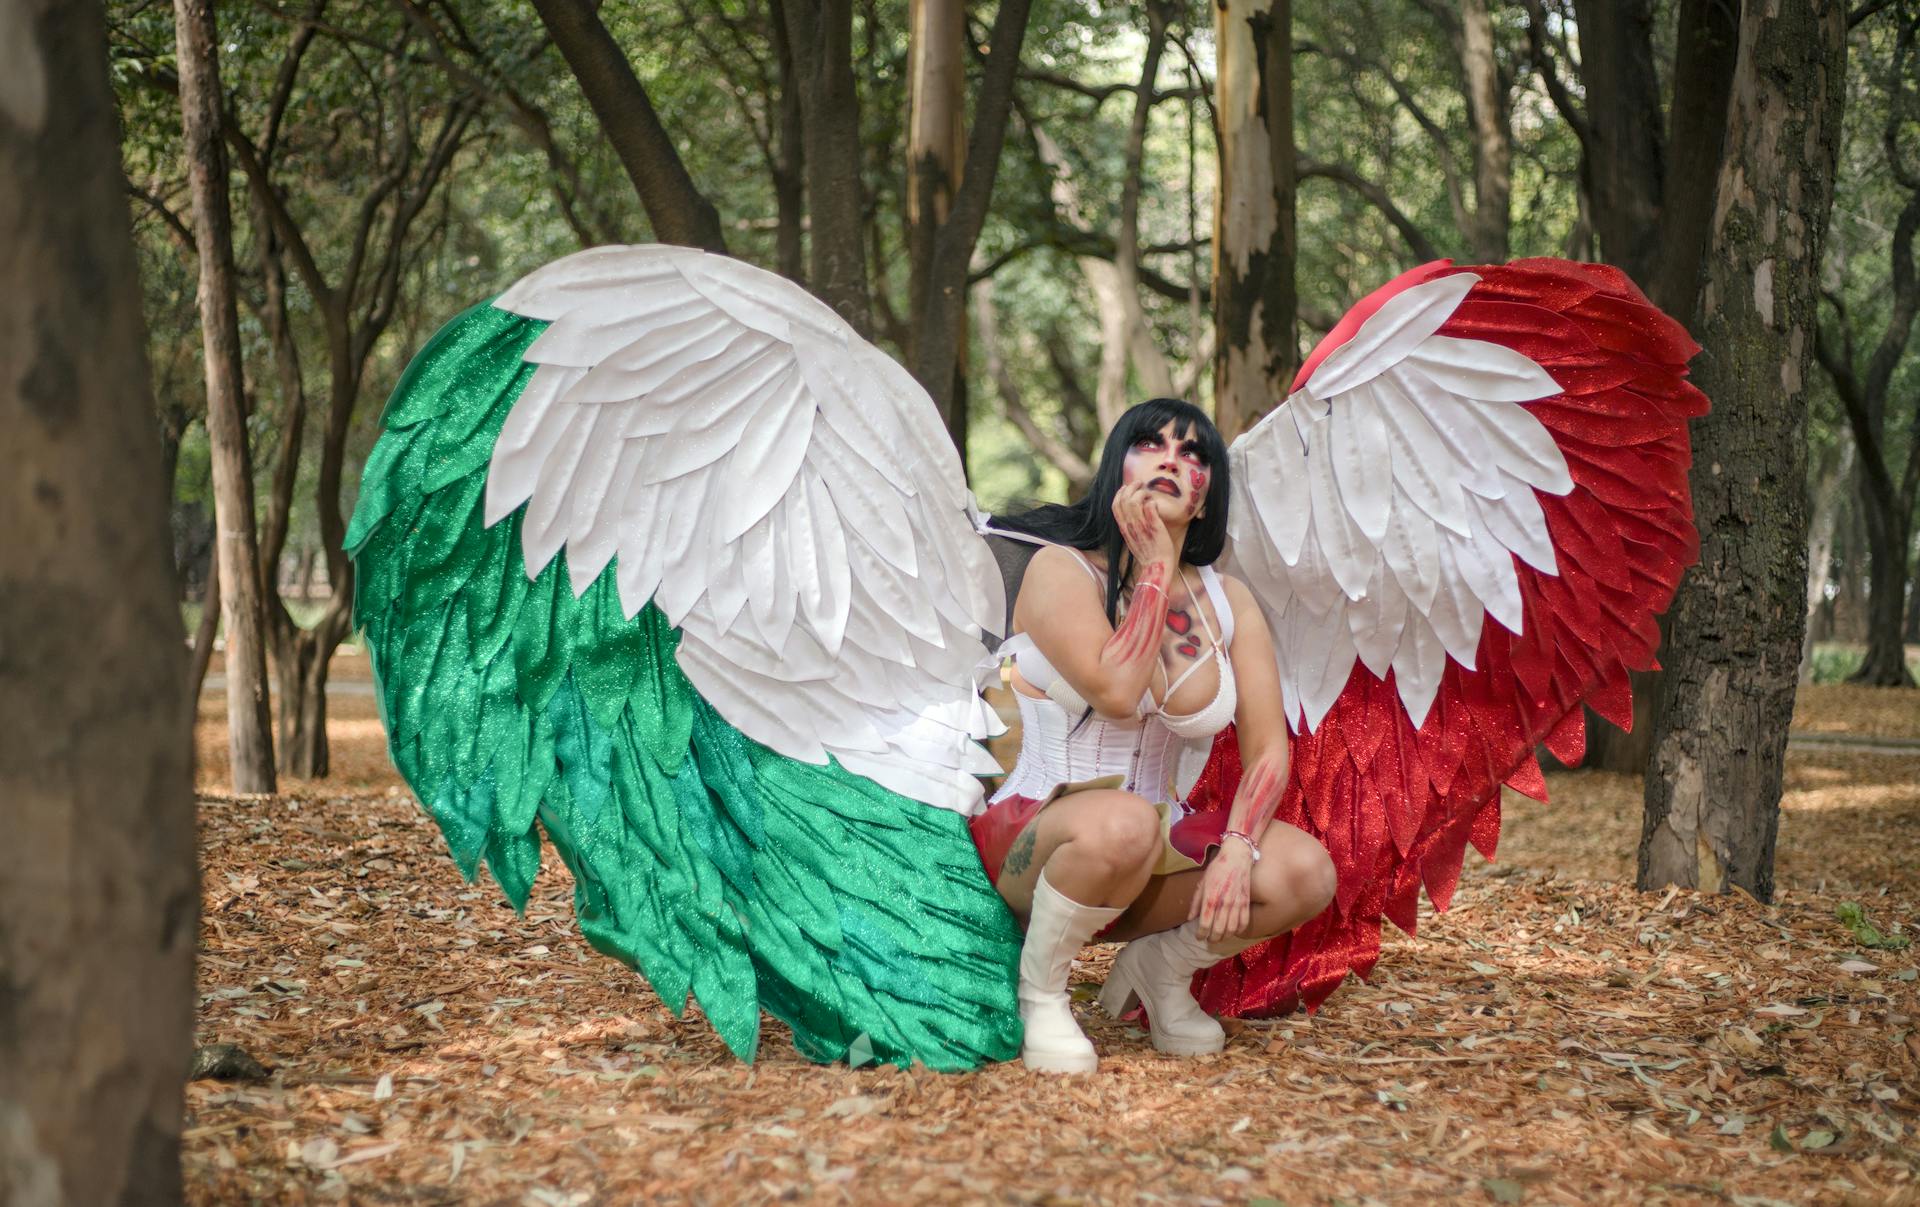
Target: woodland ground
point(1555, 1038)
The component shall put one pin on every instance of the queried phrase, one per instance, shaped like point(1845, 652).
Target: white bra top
point(1151, 753)
point(1214, 717)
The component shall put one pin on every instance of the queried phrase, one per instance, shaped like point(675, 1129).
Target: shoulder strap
point(1222, 607)
point(986, 529)
point(1099, 580)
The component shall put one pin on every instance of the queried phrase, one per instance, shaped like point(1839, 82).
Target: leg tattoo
point(1020, 857)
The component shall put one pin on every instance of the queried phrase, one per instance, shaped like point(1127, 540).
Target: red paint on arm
point(1139, 633)
point(1259, 796)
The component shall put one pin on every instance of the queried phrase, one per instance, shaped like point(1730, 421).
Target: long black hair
point(1089, 523)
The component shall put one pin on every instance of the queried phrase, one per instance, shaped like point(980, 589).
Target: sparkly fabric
point(1397, 806)
point(714, 866)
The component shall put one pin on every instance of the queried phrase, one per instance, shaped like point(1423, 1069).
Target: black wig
point(1089, 523)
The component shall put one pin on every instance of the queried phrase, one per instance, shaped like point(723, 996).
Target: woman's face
point(1174, 471)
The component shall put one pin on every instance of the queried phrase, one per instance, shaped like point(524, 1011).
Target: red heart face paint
point(1171, 466)
point(1200, 479)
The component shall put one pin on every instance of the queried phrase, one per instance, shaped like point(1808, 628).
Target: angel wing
point(1505, 443)
point(655, 550)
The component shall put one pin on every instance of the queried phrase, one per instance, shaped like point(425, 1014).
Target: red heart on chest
point(1179, 622)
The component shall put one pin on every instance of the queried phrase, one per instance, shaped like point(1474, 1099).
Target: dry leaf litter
point(1557, 1037)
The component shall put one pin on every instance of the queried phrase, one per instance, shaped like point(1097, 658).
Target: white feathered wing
point(783, 491)
point(1377, 511)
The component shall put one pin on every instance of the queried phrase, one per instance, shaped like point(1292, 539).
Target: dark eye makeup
point(1188, 448)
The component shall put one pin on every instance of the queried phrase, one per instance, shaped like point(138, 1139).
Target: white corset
point(1157, 755)
point(1147, 756)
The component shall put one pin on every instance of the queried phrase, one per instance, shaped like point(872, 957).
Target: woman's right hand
point(1140, 524)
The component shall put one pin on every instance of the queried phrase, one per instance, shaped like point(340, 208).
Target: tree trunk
point(1623, 130)
point(203, 636)
point(1850, 597)
point(821, 35)
point(301, 659)
point(249, 719)
point(98, 907)
point(1492, 139)
point(1126, 338)
point(1713, 787)
point(937, 361)
point(676, 209)
point(1652, 222)
point(1835, 465)
point(789, 171)
point(1913, 605)
point(1889, 533)
point(1708, 51)
point(936, 157)
point(1887, 489)
point(986, 321)
point(1254, 305)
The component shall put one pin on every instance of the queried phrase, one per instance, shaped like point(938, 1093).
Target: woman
point(1127, 645)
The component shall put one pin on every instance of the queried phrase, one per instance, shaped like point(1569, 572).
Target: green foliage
point(1378, 91)
point(1835, 662)
point(1864, 932)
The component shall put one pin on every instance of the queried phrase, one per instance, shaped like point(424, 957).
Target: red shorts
point(1186, 839)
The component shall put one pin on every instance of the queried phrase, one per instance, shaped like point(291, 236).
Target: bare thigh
point(1074, 815)
point(1167, 901)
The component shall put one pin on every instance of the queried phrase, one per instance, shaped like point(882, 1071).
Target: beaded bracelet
point(1246, 838)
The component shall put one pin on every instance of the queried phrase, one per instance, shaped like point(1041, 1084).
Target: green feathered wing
point(713, 865)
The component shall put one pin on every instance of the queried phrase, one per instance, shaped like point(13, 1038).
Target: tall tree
point(749, 56)
point(249, 719)
point(1125, 338)
point(1651, 218)
point(820, 37)
point(1486, 90)
point(1369, 44)
point(1832, 471)
point(476, 63)
point(97, 920)
point(356, 290)
point(675, 208)
point(1254, 303)
point(1651, 185)
point(940, 321)
point(936, 155)
point(1889, 490)
point(1720, 737)
point(1113, 280)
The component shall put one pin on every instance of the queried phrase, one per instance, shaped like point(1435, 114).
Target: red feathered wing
point(1397, 806)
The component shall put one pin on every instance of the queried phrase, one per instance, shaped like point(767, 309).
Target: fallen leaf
point(850, 1107)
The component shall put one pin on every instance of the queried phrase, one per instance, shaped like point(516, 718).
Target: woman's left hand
point(1223, 902)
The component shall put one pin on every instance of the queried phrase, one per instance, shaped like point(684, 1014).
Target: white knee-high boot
point(1157, 971)
point(1056, 930)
